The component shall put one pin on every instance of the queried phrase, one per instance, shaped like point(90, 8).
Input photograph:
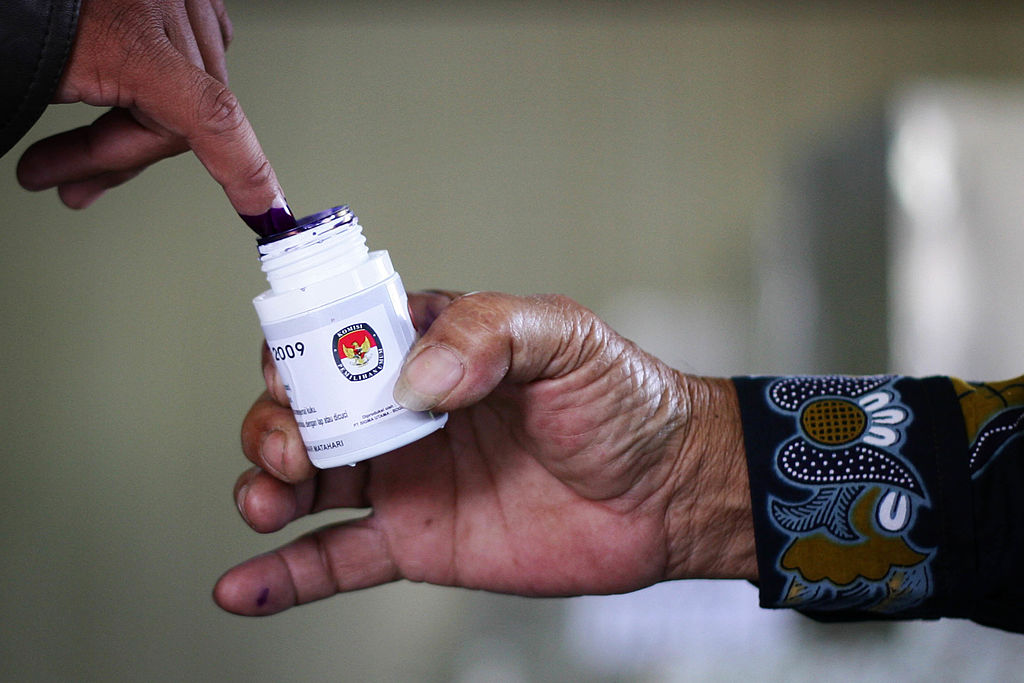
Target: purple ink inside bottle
point(303, 224)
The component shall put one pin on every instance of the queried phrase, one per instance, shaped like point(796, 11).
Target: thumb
point(482, 339)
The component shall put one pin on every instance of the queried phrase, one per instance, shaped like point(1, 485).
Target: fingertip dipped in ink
point(317, 221)
point(274, 221)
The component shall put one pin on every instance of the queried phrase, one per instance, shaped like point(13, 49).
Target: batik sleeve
point(887, 497)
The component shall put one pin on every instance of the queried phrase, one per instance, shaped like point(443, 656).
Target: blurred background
point(743, 188)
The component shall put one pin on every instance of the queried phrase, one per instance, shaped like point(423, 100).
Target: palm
point(479, 505)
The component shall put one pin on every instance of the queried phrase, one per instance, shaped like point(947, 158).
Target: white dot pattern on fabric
point(803, 463)
point(980, 444)
point(791, 393)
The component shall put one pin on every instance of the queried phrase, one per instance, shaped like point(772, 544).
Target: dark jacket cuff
point(35, 40)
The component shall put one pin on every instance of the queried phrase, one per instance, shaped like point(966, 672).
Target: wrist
point(708, 521)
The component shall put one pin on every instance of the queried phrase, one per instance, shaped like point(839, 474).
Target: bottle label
point(339, 366)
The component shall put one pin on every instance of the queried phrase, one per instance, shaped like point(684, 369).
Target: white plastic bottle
point(337, 321)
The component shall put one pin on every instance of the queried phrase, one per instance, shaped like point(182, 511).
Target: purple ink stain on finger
point(262, 598)
point(271, 222)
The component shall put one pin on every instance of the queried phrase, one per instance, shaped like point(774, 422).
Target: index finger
point(196, 106)
point(425, 306)
point(271, 439)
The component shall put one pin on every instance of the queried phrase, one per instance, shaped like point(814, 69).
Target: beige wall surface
point(623, 154)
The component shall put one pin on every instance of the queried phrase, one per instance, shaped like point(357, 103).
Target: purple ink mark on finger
point(271, 222)
point(262, 598)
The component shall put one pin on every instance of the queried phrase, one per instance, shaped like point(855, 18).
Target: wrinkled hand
point(160, 65)
point(572, 463)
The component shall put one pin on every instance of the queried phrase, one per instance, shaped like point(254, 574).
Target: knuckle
point(263, 416)
point(488, 313)
point(262, 175)
point(576, 332)
point(219, 115)
point(561, 304)
point(568, 311)
point(252, 428)
point(218, 111)
point(120, 41)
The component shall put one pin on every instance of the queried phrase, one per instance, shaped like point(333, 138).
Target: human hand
point(160, 65)
point(572, 463)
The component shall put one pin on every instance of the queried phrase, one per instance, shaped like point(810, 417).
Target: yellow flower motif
point(840, 421)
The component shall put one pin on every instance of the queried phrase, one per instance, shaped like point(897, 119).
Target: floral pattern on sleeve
point(848, 536)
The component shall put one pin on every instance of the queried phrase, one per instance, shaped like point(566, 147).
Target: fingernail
point(428, 378)
point(272, 452)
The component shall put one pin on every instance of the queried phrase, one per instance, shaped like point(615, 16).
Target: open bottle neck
point(321, 246)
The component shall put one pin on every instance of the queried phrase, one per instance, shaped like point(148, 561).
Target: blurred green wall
point(590, 149)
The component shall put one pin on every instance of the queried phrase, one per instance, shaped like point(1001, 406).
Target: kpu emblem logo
point(358, 352)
